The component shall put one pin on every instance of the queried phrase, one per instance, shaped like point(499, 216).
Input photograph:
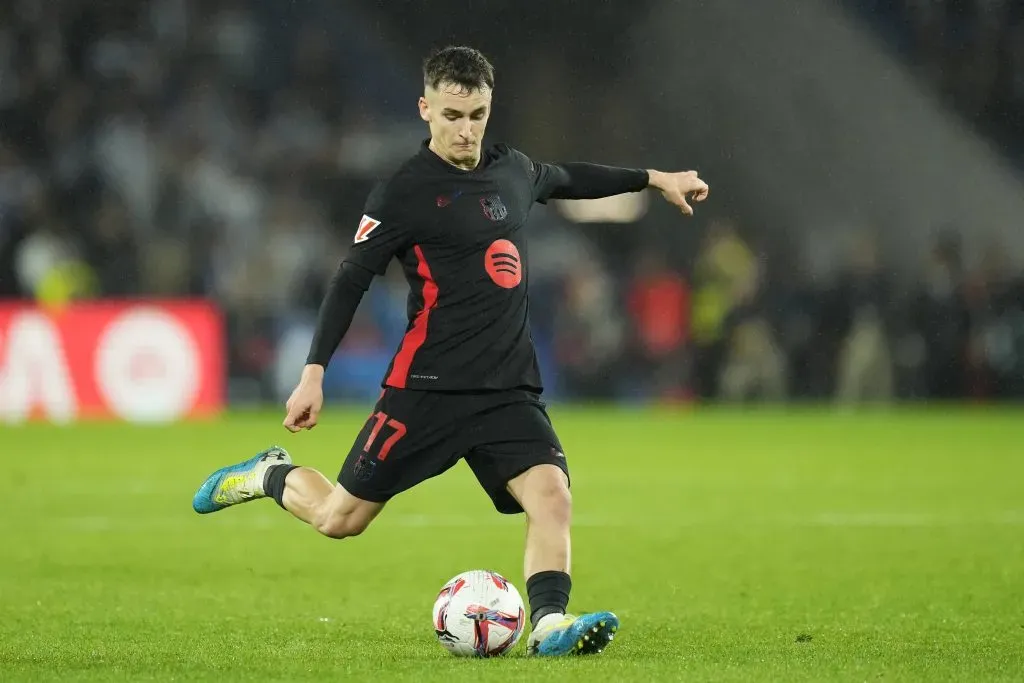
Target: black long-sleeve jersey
point(460, 238)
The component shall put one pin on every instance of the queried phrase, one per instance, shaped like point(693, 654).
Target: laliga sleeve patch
point(366, 226)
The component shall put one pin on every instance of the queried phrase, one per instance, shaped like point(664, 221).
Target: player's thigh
point(408, 438)
point(519, 437)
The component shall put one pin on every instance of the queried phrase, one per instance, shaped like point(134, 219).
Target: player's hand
point(306, 401)
point(676, 188)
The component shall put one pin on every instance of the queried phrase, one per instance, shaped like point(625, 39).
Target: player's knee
point(550, 500)
point(340, 525)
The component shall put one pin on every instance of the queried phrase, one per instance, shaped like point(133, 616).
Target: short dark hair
point(463, 66)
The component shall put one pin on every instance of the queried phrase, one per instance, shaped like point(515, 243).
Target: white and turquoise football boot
point(238, 483)
point(560, 635)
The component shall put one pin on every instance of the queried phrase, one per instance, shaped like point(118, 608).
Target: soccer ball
point(478, 614)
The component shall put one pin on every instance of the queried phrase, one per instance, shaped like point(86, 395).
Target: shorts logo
point(503, 264)
point(363, 468)
point(366, 226)
point(494, 208)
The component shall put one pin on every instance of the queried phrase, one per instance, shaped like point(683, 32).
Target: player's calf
point(334, 525)
point(327, 507)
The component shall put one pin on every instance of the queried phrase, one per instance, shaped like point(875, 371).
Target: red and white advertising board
point(142, 361)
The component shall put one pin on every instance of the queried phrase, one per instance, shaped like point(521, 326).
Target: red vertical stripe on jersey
point(417, 334)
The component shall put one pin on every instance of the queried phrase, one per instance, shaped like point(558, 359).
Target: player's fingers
point(293, 421)
point(684, 207)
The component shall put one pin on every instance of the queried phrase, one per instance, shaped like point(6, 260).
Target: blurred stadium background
point(180, 178)
point(862, 243)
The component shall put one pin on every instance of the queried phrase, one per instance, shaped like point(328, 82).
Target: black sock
point(273, 481)
point(548, 593)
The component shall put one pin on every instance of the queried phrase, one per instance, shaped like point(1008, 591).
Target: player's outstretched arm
point(579, 180)
point(336, 313)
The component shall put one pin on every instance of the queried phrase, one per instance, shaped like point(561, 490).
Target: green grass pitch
point(760, 546)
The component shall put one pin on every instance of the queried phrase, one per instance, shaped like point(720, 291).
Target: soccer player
point(464, 383)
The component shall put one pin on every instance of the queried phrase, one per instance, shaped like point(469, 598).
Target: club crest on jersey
point(366, 226)
point(494, 208)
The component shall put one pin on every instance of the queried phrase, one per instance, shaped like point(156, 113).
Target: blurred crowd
point(179, 148)
point(168, 148)
point(736, 326)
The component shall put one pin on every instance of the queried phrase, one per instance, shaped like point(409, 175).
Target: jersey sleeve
point(337, 311)
point(545, 179)
point(578, 180)
point(548, 179)
point(382, 233)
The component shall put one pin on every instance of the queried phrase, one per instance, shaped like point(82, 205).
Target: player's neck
point(464, 166)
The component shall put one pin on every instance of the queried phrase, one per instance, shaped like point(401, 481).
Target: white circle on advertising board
point(147, 366)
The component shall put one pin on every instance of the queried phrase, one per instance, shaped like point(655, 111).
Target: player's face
point(457, 118)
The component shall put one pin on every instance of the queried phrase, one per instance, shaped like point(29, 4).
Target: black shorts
point(413, 435)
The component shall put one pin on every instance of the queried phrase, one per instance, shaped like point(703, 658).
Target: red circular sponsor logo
point(503, 264)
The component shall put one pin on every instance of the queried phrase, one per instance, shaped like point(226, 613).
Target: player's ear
point(424, 109)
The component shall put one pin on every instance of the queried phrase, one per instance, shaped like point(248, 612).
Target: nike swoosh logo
point(443, 201)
